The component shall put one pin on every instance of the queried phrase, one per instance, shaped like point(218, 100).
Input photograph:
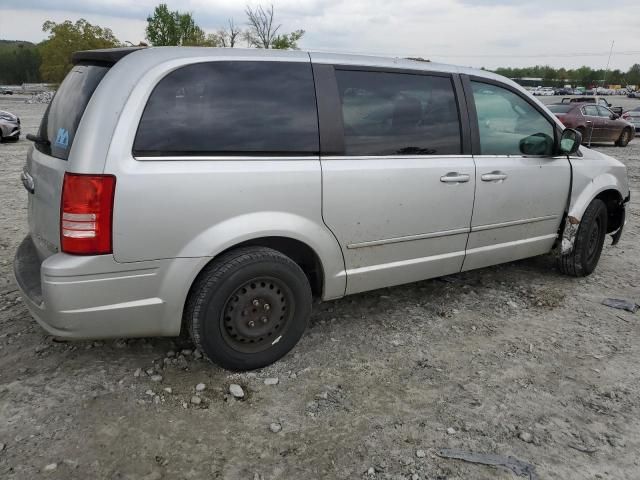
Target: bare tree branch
point(261, 30)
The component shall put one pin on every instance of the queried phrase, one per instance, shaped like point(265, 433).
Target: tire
point(248, 308)
point(625, 138)
point(588, 242)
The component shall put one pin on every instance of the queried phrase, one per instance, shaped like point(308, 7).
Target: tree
point(68, 37)
point(289, 41)
point(633, 75)
point(19, 62)
point(263, 32)
point(167, 27)
point(229, 36)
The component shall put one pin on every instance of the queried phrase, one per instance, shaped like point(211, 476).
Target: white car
point(544, 91)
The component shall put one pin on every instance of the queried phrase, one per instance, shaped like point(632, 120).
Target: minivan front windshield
point(60, 122)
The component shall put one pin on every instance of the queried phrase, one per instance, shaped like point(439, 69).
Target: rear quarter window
point(231, 108)
point(61, 119)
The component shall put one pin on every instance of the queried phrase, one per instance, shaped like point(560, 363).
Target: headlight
point(7, 118)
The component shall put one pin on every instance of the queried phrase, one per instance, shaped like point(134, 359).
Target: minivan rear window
point(61, 120)
point(231, 108)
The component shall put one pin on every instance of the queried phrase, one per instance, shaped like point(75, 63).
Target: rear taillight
point(85, 214)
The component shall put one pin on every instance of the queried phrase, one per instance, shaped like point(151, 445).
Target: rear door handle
point(455, 177)
point(494, 177)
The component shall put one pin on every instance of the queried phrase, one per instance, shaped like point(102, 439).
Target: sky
point(478, 33)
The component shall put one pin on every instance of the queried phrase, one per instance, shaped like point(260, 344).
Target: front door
point(521, 188)
point(399, 196)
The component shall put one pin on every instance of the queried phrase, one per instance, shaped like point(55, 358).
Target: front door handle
point(455, 177)
point(496, 176)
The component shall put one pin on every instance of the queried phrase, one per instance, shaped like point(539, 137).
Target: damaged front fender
point(569, 234)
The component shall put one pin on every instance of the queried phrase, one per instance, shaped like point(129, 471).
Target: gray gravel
point(378, 377)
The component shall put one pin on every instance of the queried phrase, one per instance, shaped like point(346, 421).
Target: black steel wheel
point(589, 241)
point(256, 314)
point(248, 308)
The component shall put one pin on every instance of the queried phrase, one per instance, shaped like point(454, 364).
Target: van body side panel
point(199, 208)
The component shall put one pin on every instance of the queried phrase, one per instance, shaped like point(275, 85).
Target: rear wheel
point(588, 243)
point(248, 308)
point(625, 138)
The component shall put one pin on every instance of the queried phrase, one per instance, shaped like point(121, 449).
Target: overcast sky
point(478, 33)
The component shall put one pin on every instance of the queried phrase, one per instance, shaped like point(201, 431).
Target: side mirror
point(537, 144)
point(570, 141)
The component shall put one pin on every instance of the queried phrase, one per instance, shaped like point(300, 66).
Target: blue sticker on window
point(62, 138)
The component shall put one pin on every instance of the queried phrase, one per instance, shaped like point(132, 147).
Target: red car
point(595, 122)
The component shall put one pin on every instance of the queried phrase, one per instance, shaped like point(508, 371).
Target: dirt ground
point(513, 360)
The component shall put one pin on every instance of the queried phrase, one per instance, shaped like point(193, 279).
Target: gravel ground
point(514, 360)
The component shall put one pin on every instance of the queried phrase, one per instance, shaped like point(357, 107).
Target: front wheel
point(248, 308)
point(588, 243)
point(625, 138)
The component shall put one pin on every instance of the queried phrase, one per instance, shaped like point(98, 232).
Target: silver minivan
point(218, 191)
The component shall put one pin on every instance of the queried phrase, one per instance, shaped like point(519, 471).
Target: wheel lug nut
point(264, 319)
point(266, 307)
point(256, 302)
point(251, 324)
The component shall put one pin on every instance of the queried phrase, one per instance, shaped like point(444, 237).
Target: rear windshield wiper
point(38, 140)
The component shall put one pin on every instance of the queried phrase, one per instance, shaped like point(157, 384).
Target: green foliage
point(19, 62)
point(165, 28)
point(286, 41)
point(583, 76)
point(68, 37)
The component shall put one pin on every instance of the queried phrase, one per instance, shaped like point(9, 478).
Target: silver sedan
point(9, 126)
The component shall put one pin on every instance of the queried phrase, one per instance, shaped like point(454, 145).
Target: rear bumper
point(96, 297)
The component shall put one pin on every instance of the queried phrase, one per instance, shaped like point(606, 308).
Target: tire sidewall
point(589, 265)
point(625, 138)
point(213, 301)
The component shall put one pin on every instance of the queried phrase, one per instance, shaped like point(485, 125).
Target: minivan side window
point(231, 108)
point(509, 125)
point(388, 113)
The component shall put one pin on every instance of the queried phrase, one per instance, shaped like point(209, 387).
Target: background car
point(544, 91)
point(563, 91)
point(634, 94)
point(6, 91)
point(597, 100)
point(633, 117)
point(595, 122)
point(9, 126)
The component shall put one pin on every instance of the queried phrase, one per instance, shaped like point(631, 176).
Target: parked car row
point(548, 91)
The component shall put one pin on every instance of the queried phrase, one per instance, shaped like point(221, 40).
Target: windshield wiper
point(38, 140)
